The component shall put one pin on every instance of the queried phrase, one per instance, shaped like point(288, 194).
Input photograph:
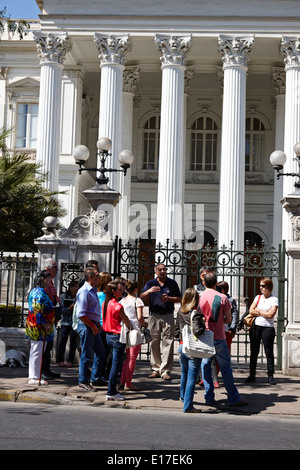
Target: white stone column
point(290, 49)
point(112, 51)
point(278, 79)
point(3, 77)
point(131, 77)
point(234, 52)
point(51, 52)
point(171, 179)
point(70, 136)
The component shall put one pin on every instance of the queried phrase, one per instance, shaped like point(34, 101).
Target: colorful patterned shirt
point(40, 313)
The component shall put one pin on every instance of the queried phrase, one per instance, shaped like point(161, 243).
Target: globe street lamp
point(278, 160)
point(81, 154)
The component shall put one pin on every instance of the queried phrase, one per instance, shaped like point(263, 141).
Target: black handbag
point(145, 332)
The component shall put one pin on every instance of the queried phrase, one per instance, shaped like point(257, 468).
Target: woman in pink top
point(113, 314)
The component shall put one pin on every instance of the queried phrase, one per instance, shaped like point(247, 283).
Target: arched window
point(255, 144)
point(204, 144)
point(151, 143)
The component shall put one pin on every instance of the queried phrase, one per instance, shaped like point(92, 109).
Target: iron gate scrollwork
point(244, 268)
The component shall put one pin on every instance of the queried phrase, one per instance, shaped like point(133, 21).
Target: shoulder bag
point(202, 347)
point(248, 320)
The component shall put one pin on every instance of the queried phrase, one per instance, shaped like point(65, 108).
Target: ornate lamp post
point(278, 159)
point(101, 193)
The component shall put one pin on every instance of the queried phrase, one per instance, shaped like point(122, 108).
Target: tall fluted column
point(112, 51)
point(51, 52)
point(290, 49)
point(171, 179)
point(131, 77)
point(234, 52)
point(278, 79)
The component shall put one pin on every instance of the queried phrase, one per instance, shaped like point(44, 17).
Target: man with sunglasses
point(162, 292)
point(88, 313)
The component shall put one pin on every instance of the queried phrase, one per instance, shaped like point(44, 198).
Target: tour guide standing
point(216, 309)
point(88, 313)
point(163, 293)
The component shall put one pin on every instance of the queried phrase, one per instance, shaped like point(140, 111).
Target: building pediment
point(24, 85)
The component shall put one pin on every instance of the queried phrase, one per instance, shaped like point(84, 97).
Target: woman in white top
point(264, 308)
point(133, 307)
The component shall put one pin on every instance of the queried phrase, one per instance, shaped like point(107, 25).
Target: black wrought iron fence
point(17, 272)
point(241, 269)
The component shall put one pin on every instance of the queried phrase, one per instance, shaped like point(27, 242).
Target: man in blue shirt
point(163, 293)
point(88, 313)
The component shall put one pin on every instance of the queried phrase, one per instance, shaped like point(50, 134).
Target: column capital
point(290, 49)
point(173, 48)
point(235, 49)
point(112, 49)
point(52, 48)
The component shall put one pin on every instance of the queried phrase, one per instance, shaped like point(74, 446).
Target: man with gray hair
point(49, 264)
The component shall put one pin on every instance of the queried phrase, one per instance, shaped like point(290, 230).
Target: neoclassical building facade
point(201, 92)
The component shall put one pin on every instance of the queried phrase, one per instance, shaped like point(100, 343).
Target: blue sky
point(26, 9)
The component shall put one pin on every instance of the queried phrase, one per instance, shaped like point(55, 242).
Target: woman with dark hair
point(112, 316)
point(104, 279)
point(67, 300)
point(39, 325)
point(264, 308)
point(133, 307)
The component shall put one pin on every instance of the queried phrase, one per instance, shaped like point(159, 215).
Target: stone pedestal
point(87, 237)
point(291, 336)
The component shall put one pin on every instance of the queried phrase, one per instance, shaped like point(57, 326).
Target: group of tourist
point(99, 309)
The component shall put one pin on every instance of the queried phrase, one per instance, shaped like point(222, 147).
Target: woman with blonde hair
point(190, 366)
point(264, 308)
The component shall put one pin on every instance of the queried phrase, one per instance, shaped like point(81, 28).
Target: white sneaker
point(117, 397)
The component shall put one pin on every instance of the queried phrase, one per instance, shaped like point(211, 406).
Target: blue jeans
point(189, 373)
point(223, 359)
point(117, 351)
point(90, 344)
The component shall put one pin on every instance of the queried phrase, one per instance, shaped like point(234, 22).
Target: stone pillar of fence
point(291, 336)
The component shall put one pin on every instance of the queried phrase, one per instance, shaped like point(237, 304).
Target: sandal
point(62, 364)
point(131, 387)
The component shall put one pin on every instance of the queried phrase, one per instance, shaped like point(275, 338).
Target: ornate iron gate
point(244, 268)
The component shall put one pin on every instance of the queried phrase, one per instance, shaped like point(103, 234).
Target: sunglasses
point(263, 285)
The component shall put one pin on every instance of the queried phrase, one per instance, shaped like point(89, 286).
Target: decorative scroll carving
point(52, 48)
point(235, 50)
point(278, 80)
point(3, 72)
point(173, 48)
point(290, 49)
point(295, 221)
point(87, 226)
point(112, 49)
point(188, 77)
point(131, 77)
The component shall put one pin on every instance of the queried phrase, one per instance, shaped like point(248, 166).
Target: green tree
point(24, 201)
point(21, 27)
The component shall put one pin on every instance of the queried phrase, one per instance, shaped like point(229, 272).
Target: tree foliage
point(21, 27)
point(24, 201)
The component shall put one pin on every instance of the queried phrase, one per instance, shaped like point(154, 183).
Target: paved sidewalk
point(280, 399)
